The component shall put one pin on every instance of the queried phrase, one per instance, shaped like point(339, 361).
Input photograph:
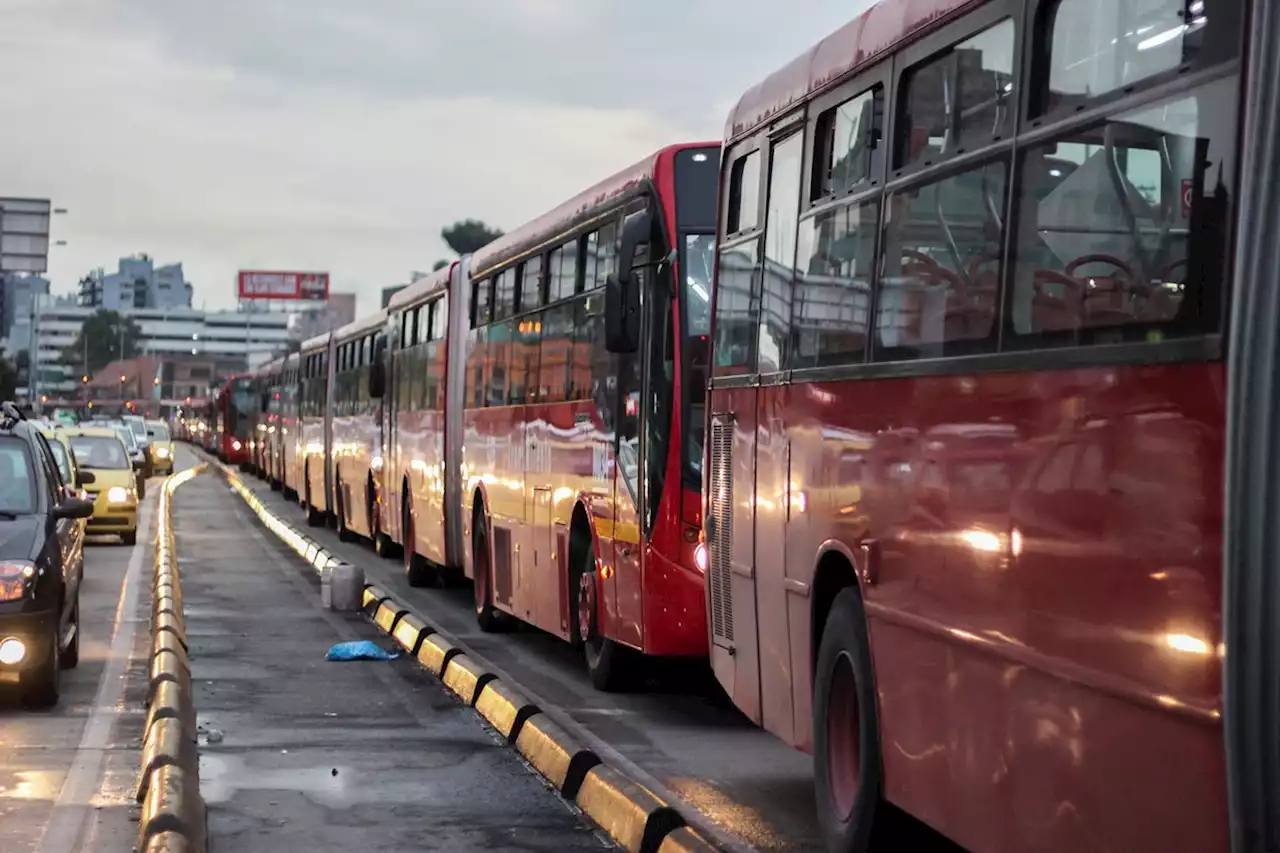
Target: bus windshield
point(696, 263)
point(242, 398)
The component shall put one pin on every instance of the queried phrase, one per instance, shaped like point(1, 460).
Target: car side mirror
point(84, 478)
point(73, 508)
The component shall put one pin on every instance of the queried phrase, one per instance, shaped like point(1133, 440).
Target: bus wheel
point(315, 518)
point(846, 748)
point(603, 656)
point(417, 570)
point(344, 532)
point(487, 616)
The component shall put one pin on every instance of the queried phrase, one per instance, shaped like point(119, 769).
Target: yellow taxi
point(115, 486)
point(161, 447)
point(56, 436)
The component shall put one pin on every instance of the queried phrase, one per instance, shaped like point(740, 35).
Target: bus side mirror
point(621, 293)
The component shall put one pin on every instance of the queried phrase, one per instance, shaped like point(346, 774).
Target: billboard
point(24, 234)
point(275, 284)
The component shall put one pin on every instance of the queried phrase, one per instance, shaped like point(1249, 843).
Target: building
point(388, 292)
point(334, 314)
point(16, 292)
point(138, 284)
point(164, 381)
point(232, 341)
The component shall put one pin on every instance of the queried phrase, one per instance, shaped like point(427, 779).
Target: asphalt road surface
point(299, 754)
point(67, 775)
point(676, 731)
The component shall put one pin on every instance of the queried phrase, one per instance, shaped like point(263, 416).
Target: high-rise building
point(137, 284)
point(16, 292)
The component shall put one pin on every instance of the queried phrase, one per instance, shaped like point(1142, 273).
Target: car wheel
point(42, 687)
point(71, 654)
point(130, 538)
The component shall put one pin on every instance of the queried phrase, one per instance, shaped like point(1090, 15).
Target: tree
point(439, 265)
point(8, 380)
point(469, 235)
point(105, 337)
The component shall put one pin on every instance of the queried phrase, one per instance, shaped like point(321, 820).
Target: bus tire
point(487, 616)
point(344, 532)
point(604, 657)
point(315, 518)
point(418, 571)
point(848, 773)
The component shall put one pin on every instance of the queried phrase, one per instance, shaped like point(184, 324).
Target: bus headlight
point(117, 495)
point(235, 444)
point(700, 556)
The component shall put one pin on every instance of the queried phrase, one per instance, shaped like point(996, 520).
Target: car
point(138, 427)
point(101, 451)
point(66, 459)
point(136, 456)
point(41, 562)
point(161, 447)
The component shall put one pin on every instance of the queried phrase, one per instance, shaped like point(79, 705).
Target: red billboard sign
point(274, 284)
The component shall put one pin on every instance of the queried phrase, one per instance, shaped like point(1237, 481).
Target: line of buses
point(905, 405)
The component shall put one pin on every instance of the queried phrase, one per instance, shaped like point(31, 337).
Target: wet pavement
point(67, 775)
point(299, 754)
point(675, 730)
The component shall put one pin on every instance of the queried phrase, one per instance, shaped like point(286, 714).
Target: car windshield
point(60, 456)
point(127, 436)
point(17, 479)
point(138, 428)
point(160, 432)
point(99, 451)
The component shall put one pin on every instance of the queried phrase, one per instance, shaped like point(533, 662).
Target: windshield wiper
point(8, 515)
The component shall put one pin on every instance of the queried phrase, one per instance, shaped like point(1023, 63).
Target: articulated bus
point(234, 413)
point(356, 442)
point(967, 422)
point(314, 435)
point(572, 411)
point(282, 410)
point(264, 378)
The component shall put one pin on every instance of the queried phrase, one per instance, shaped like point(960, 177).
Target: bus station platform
point(301, 754)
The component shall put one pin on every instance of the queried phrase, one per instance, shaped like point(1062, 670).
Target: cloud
point(342, 136)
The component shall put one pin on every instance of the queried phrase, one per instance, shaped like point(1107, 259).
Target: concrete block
point(168, 642)
point(629, 812)
point(345, 583)
point(409, 632)
point(505, 708)
point(170, 701)
point(387, 613)
point(168, 622)
point(165, 744)
point(465, 677)
point(169, 842)
point(373, 596)
point(167, 666)
point(434, 652)
point(172, 804)
point(555, 754)
point(685, 840)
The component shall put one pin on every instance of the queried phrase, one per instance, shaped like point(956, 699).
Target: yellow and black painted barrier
point(173, 814)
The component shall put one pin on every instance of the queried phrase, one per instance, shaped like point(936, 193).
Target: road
point(300, 754)
point(67, 775)
point(677, 732)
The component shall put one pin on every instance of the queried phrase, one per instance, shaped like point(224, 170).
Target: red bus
point(356, 439)
point(573, 411)
point(966, 418)
point(235, 410)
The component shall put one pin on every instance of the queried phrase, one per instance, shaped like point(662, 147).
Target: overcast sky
point(339, 135)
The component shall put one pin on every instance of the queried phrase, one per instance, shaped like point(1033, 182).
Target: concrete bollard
point(342, 587)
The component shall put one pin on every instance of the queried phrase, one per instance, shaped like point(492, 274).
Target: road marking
point(62, 834)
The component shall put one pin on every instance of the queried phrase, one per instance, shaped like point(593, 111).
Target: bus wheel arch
point(848, 770)
point(606, 659)
point(488, 617)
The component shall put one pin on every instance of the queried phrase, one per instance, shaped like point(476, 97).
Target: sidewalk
point(298, 754)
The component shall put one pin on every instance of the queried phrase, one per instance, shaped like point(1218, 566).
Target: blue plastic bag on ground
point(360, 650)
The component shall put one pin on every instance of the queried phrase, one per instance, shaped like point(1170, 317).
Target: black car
point(41, 562)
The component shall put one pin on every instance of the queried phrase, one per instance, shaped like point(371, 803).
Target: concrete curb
point(173, 814)
point(629, 813)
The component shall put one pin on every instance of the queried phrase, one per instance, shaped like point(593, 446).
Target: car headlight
point(12, 651)
point(14, 575)
point(117, 495)
point(162, 452)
